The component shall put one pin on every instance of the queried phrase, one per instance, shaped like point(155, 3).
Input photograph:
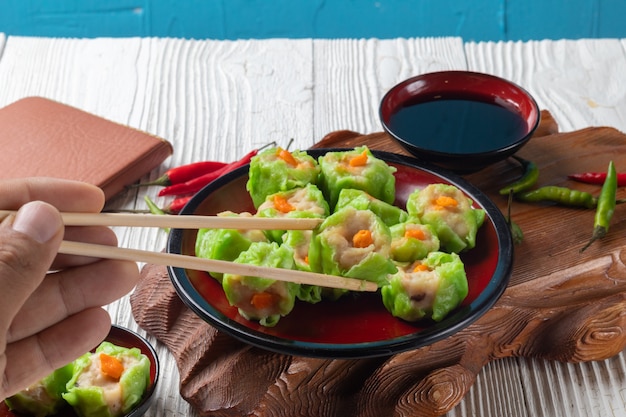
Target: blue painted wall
point(473, 20)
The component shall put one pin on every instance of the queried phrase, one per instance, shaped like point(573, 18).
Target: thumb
point(28, 245)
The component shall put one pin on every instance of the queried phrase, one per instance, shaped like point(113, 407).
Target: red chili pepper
point(184, 173)
point(177, 205)
point(597, 178)
point(194, 185)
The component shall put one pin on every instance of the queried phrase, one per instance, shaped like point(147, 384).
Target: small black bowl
point(459, 120)
point(123, 337)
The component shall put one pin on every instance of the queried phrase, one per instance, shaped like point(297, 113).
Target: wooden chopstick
point(184, 222)
point(225, 267)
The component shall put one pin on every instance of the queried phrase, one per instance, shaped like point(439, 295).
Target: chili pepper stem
point(598, 233)
point(162, 181)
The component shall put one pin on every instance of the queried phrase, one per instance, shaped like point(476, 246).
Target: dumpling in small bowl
point(45, 397)
point(109, 382)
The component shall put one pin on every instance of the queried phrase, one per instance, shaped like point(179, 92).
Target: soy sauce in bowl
point(458, 125)
point(459, 120)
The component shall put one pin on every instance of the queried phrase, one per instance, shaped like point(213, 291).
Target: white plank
point(352, 75)
point(580, 82)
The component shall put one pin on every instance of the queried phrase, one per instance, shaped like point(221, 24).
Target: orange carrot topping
point(359, 160)
point(420, 268)
point(262, 300)
point(281, 204)
point(444, 201)
point(287, 157)
point(415, 234)
point(362, 239)
point(111, 366)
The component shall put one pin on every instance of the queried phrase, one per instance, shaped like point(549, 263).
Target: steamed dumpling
point(356, 169)
point(352, 243)
point(449, 211)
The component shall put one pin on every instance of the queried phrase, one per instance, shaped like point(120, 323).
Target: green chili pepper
point(154, 209)
point(605, 206)
point(527, 180)
point(559, 195)
point(516, 232)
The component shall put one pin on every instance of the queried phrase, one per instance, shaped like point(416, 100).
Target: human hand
point(47, 319)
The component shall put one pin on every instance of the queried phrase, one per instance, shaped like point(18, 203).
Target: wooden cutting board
point(560, 305)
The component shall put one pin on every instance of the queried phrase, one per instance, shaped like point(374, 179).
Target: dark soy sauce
point(458, 125)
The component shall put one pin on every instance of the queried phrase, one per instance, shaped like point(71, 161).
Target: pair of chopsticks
point(195, 263)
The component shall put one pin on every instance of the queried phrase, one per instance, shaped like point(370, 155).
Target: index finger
point(65, 195)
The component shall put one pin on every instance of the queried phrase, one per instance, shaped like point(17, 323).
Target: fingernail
point(38, 220)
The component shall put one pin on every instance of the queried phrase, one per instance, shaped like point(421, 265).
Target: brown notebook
point(41, 137)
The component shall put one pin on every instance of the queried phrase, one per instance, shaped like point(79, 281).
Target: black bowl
point(124, 337)
point(459, 120)
point(351, 327)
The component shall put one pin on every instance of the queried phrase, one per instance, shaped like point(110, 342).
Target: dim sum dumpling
point(225, 244)
point(428, 289)
point(449, 211)
point(301, 202)
point(361, 200)
point(96, 390)
point(412, 241)
point(352, 243)
point(356, 169)
point(262, 299)
point(45, 397)
point(276, 169)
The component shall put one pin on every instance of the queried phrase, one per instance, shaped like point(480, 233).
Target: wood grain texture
point(560, 306)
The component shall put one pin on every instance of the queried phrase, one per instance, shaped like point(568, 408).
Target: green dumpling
point(276, 169)
point(257, 298)
point(352, 243)
point(361, 200)
point(302, 202)
point(299, 241)
point(225, 244)
point(45, 397)
point(427, 289)
point(449, 211)
point(357, 169)
point(95, 392)
point(411, 241)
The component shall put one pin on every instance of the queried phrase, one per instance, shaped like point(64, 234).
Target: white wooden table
point(219, 99)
